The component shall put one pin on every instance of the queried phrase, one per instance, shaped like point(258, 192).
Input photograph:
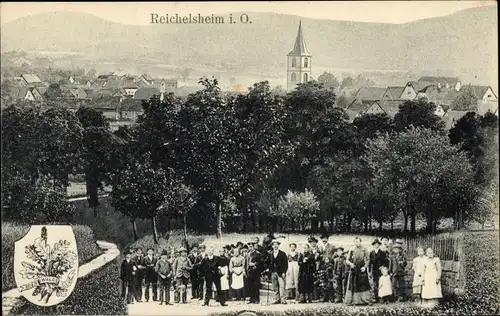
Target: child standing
point(397, 264)
point(418, 267)
point(164, 270)
point(384, 285)
point(339, 270)
point(127, 275)
point(431, 289)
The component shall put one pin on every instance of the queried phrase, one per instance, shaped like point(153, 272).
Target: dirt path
point(11, 297)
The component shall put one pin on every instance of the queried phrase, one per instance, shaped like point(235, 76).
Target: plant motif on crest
point(48, 267)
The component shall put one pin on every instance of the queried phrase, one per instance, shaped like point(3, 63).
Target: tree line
point(293, 160)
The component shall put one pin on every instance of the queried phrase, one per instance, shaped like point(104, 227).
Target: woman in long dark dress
point(307, 267)
point(358, 289)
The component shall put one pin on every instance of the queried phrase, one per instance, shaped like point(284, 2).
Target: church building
point(298, 63)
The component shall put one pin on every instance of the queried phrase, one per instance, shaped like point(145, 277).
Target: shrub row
point(86, 245)
point(98, 293)
point(172, 240)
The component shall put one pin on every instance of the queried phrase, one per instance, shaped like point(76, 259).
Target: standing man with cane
point(277, 263)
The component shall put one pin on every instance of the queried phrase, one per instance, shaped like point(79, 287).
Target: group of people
point(320, 272)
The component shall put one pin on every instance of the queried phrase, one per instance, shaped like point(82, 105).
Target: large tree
point(417, 113)
point(95, 152)
point(419, 171)
point(230, 144)
point(328, 80)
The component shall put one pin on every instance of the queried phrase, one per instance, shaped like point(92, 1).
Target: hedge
point(98, 293)
point(172, 240)
point(86, 245)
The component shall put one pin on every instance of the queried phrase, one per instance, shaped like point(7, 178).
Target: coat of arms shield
point(46, 264)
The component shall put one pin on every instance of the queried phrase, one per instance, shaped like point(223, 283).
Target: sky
point(139, 13)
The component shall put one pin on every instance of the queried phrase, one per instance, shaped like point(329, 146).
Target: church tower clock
point(298, 63)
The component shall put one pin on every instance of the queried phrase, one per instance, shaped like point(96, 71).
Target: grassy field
point(86, 245)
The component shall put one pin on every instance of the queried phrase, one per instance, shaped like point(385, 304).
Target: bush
point(171, 240)
point(109, 225)
point(98, 293)
point(85, 243)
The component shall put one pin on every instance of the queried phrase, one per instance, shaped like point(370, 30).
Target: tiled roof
point(370, 94)
point(360, 106)
point(452, 81)
point(146, 93)
point(78, 93)
point(395, 91)
point(420, 86)
point(479, 91)
point(31, 78)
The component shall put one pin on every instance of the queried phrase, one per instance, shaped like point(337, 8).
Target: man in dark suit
point(127, 275)
point(253, 268)
point(139, 276)
point(328, 249)
point(151, 277)
point(195, 258)
point(277, 263)
point(378, 259)
point(210, 268)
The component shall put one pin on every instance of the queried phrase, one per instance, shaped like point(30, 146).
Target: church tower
point(298, 63)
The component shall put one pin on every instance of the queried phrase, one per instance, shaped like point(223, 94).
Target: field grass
point(98, 293)
point(86, 245)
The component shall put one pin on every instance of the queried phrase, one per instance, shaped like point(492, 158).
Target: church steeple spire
point(300, 48)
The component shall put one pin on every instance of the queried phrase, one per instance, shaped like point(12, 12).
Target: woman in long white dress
point(237, 271)
point(431, 288)
point(292, 274)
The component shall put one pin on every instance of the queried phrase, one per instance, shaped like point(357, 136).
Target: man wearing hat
point(164, 270)
point(316, 253)
point(253, 268)
point(258, 247)
point(328, 249)
point(210, 268)
point(195, 259)
point(397, 264)
point(378, 259)
point(277, 265)
point(182, 267)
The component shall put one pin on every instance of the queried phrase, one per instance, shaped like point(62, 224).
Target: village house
point(487, 100)
point(367, 94)
point(75, 94)
point(443, 82)
point(393, 93)
point(26, 94)
point(414, 90)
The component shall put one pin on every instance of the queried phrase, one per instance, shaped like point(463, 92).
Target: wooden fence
point(446, 246)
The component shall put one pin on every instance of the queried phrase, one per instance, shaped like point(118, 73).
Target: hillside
point(464, 42)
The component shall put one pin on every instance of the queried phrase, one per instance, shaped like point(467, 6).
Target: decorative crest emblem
point(46, 264)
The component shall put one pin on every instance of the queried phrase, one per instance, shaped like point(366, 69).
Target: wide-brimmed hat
point(376, 241)
point(164, 253)
point(312, 239)
point(181, 249)
point(292, 243)
point(276, 241)
point(399, 241)
point(202, 246)
point(396, 246)
point(244, 247)
point(340, 248)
